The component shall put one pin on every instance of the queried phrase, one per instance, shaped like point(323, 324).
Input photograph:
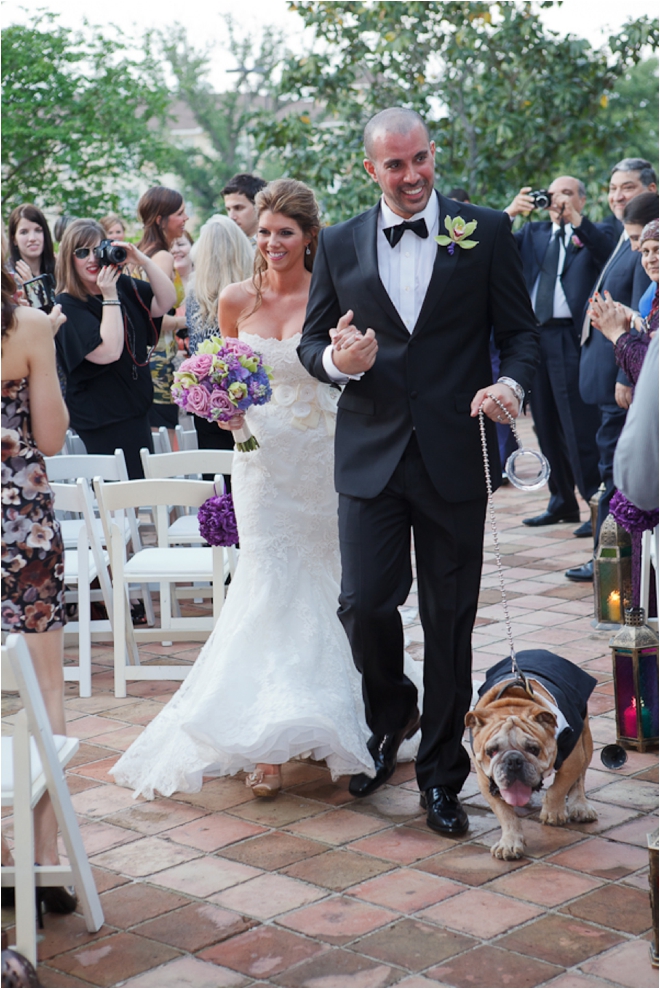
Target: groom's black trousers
point(374, 535)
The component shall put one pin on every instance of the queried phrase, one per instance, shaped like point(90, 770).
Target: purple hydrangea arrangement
point(225, 377)
point(217, 521)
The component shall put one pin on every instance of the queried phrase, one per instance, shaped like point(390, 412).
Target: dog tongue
point(517, 794)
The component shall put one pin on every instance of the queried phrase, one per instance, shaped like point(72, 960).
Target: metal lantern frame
point(637, 644)
point(612, 574)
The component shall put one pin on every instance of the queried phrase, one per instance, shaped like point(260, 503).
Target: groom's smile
point(403, 165)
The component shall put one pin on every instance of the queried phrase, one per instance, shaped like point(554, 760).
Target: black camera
point(541, 198)
point(106, 254)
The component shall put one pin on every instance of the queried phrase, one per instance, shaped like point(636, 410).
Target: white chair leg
point(84, 619)
point(26, 927)
point(119, 600)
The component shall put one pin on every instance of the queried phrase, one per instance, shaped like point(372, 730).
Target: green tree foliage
point(508, 101)
point(78, 112)
point(226, 118)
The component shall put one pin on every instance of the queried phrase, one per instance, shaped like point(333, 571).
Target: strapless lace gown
point(276, 678)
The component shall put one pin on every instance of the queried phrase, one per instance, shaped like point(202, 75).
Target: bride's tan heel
point(263, 782)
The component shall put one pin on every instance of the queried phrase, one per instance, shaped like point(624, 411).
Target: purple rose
point(221, 405)
point(217, 521)
point(199, 364)
point(238, 346)
point(198, 401)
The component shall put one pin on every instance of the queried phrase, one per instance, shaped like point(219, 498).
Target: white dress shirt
point(404, 270)
point(560, 307)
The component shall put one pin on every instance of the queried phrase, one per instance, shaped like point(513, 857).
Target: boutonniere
point(576, 242)
point(458, 231)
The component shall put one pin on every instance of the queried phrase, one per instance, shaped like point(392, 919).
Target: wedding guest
point(562, 257)
point(222, 255)
point(163, 214)
point(114, 226)
point(636, 456)
point(30, 245)
point(239, 196)
point(61, 223)
point(112, 322)
point(180, 250)
point(637, 213)
point(275, 679)
point(34, 423)
point(602, 382)
point(459, 194)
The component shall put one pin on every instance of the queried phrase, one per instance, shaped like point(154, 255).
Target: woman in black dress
point(113, 322)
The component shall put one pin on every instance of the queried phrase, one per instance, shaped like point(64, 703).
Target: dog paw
point(508, 850)
point(582, 811)
point(553, 817)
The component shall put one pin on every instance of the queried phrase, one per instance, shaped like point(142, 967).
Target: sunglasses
point(82, 252)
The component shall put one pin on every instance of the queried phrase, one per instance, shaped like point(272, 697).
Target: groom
point(410, 323)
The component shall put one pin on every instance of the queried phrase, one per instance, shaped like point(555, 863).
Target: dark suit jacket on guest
point(582, 265)
point(424, 380)
point(626, 281)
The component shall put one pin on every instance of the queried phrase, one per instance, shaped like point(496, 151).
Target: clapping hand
point(106, 280)
point(608, 316)
point(352, 352)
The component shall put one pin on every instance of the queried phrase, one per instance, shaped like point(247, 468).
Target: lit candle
point(630, 721)
point(614, 606)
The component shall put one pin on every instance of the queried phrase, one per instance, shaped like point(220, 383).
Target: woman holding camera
point(113, 323)
point(30, 243)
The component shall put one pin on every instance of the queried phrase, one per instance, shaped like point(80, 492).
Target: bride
point(276, 678)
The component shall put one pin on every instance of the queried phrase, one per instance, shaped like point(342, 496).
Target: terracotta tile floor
point(314, 889)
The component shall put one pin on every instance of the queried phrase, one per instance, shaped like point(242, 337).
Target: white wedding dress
point(276, 678)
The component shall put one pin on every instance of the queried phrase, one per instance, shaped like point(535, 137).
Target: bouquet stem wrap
point(244, 439)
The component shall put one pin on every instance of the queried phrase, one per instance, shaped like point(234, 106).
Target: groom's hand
point(505, 395)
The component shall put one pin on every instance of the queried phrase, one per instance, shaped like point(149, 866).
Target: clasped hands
point(610, 317)
point(354, 353)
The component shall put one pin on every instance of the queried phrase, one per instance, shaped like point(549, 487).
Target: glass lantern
point(612, 574)
point(635, 667)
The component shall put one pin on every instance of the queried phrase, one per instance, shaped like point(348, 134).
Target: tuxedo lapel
point(364, 238)
point(443, 265)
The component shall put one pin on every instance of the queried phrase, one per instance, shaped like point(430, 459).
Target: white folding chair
point(164, 564)
point(82, 566)
point(111, 467)
point(186, 438)
point(32, 763)
point(187, 463)
point(73, 444)
point(161, 440)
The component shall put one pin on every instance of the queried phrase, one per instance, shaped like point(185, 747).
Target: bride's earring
point(307, 250)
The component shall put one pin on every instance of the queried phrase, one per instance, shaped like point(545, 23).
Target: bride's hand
point(345, 332)
point(237, 422)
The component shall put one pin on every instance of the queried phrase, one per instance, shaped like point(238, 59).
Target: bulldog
point(519, 737)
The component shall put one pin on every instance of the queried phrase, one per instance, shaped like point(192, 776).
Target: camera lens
point(117, 255)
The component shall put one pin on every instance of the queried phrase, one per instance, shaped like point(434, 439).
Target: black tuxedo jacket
point(424, 380)
point(582, 265)
point(626, 281)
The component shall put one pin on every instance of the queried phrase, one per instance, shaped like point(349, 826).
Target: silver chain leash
point(493, 524)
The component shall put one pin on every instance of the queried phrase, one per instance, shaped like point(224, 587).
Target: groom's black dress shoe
point(444, 812)
point(384, 749)
point(581, 574)
point(551, 518)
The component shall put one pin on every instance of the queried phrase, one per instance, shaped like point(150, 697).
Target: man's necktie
point(545, 293)
point(394, 234)
point(586, 325)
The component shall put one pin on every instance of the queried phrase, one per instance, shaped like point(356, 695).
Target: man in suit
point(602, 382)
point(411, 322)
point(559, 273)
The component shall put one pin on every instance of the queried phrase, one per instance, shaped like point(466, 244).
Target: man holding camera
point(562, 258)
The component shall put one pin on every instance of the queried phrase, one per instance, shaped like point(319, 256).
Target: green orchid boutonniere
point(458, 231)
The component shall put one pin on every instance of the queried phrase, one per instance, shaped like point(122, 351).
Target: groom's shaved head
point(394, 120)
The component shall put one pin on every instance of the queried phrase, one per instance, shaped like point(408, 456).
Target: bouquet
point(223, 378)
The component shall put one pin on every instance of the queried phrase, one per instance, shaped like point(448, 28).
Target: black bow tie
point(394, 234)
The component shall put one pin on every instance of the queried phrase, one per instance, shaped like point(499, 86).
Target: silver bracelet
point(111, 302)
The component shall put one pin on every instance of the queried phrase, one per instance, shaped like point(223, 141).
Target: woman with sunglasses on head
point(113, 322)
point(163, 213)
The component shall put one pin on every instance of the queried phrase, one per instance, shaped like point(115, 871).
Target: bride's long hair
point(297, 201)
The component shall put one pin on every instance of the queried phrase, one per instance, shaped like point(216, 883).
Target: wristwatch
point(517, 389)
